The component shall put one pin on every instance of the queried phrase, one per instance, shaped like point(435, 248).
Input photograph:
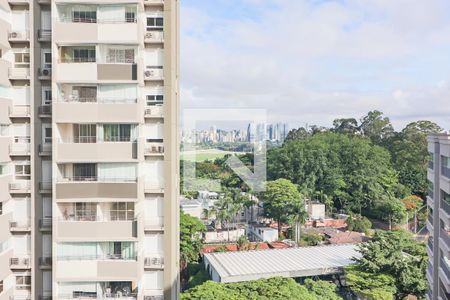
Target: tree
point(346, 126)
point(227, 206)
point(393, 211)
point(280, 200)
point(297, 134)
point(358, 223)
point(396, 254)
point(276, 288)
point(377, 127)
point(191, 241)
point(370, 286)
point(323, 290)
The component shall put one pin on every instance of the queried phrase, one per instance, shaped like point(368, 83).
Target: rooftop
point(290, 262)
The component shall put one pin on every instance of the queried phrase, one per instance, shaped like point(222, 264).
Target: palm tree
point(298, 218)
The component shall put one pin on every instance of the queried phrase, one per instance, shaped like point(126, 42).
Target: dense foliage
point(191, 229)
point(276, 288)
point(393, 261)
point(358, 223)
point(282, 201)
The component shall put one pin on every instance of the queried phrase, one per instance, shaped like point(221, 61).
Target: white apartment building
point(89, 149)
point(438, 223)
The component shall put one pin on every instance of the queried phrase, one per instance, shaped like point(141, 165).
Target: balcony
point(45, 111)
point(154, 263)
point(102, 110)
point(19, 36)
point(44, 35)
point(44, 73)
point(154, 149)
point(45, 187)
point(94, 189)
point(430, 201)
point(19, 149)
point(96, 230)
point(19, 73)
point(154, 112)
point(93, 295)
point(45, 149)
point(45, 224)
point(444, 241)
point(154, 73)
point(45, 262)
point(154, 2)
point(430, 247)
point(155, 224)
point(70, 70)
point(154, 37)
point(70, 150)
point(19, 111)
point(20, 187)
point(153, 188)
point(19, 263)
point(444, 274)
point(445, 211)
point(20, 226)
point(445, 171)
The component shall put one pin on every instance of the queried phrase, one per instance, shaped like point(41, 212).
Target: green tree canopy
point(191, 229)
point(281, 200)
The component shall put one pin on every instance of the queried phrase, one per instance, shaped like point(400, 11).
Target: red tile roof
point(348, 237)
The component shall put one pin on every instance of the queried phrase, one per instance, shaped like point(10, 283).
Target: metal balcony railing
point(154, 262)
point(154, 148)
point(45, 261)
point(18, 262)
point(45, 185)
point(45, 223)
point(45, 110)
point(75, 99)
point(44, 34)
point(77, 60)
point(91, 216)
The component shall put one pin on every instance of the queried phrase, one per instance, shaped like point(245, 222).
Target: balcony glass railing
point(445, 267)
point(94, 178)
point(445, 206)
point(107, 256)
point(445, 171)
point(93, 217)
point(76, 99)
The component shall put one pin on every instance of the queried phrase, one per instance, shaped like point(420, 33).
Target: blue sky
point(310, 61)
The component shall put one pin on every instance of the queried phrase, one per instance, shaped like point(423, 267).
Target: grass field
point(202, 155)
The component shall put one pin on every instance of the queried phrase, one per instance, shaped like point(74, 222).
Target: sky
point(312, 61)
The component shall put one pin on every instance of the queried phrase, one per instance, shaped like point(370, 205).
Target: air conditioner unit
point(149, 35)
point(13, 35)
point(46, 72)
point(149, 73)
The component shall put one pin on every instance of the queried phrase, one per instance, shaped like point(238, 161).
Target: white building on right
point(438, 223)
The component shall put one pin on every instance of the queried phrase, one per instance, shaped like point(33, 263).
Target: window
point(47, 59)
point(155, 23)
point(23, 282)
point(122, 211)
point(21, 60)
point(84, 93)
point(85, 211)
point(85, 133)
point(117, 132)
point(130, 14)
point(46, 95)
point(84, 172)
point(22, 171)
point(120, 56)
point(153, 100)
point(47, 133)
point(83, 55)
point(84, 15)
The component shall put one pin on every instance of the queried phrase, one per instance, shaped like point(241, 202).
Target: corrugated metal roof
point(281, 262)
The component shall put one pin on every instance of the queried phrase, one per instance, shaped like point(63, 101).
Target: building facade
point(438, 223)
point(89, 149)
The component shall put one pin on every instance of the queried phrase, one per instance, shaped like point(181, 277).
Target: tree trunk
point(279, 228)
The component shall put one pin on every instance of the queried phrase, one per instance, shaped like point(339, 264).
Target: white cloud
point(309, 62)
